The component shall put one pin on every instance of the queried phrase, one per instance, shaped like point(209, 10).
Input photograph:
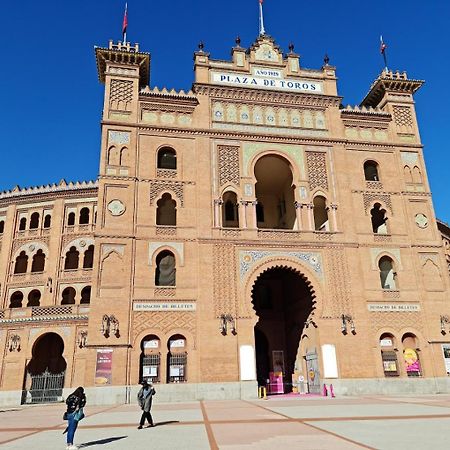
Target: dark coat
point(146, 403)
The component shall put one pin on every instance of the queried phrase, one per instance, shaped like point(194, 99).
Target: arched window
point(230, 212)
point(320, 214)
point(72, 259)
point(34, 298)
point(417, 175)
point(389, 355)
point(275, 190)
point(167, 158)
point(88, 261)
point(387, 274)
point(21, 263)
point(34, 221)
point(113, 156)
point(165, 269)
point(84, 216)
point(38, 263)
point(166, 213)
point(85, 295)
point(150, 359)
point(371, 171)
point(411, 355)
point(379, 219)
point(408, 174)
point(2, 226)
point(71, 219)
point(23, 224)
point(68, 296)
point(177, 359)
point(124, 157)
point(16, 300)
point(47, 221)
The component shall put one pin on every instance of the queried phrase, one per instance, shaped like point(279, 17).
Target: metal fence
point(46, 387)
point(177, 367)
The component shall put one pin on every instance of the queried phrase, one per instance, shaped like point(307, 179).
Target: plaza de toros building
point(252, 231)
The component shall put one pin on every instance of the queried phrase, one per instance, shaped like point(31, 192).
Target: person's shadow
point(102, 441)
point(167, 422)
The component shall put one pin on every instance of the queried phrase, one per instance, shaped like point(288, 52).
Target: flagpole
point(261, 19)
point(383, 52)
point(125, 24)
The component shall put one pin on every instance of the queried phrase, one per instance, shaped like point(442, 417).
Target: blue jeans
point(72, 426)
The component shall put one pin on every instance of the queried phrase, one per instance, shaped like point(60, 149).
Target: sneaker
point(140, 427)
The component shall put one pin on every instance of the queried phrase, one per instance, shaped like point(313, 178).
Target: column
point(243, 216)
point(254, 218)
point(217, 216)
point(298, 215)
point(333, 226)
point(310, 208)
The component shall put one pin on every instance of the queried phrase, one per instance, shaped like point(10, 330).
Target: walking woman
point(75, 402)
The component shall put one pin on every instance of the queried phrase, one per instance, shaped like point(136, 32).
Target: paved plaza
point(312, 423)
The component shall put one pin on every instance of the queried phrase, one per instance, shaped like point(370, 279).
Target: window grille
point(390, 364)
point(151, 365)
point(177, 367)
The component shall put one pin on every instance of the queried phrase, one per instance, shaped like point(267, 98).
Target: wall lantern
point(226, 319)
point(346, 320)
point(444, 321)
point(82, 338)
point(110, 326)
point(14, 343)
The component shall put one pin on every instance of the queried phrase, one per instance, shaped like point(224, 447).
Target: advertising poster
point(103, 368)
point(412, 362)
point(446, 352)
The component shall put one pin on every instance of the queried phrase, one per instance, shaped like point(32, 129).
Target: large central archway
point(282, 299)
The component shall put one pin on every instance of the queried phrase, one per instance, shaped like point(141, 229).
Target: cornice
point(264, 96)
point(61, 318)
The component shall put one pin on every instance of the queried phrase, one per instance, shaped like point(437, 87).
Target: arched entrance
point(44, 377)
point(283, 299)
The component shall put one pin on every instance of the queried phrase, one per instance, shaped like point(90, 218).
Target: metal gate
point(46, 387)
point(312, 368)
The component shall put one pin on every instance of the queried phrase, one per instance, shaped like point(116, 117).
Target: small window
point(68, 296)
point(84, 216)
point(38, 263)
point(371, 171)
point(16, 300)
point(21, 263)
point(177, 359)
point(230, 211)
point(88, 261)
point(379, 219)
point(166, 213)
point(72, 259)
point(47, 221)
point(165, 269)
point(34, 221)
point(411, 355)
point(387, 274)
point(167, 158)
point(71, 219)
point(23, 224)
point(389, 355)
point(34, 298)
point(320, 211)
point(86, 295)
point(2, 226)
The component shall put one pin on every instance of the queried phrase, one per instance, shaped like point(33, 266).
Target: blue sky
point(52, 99)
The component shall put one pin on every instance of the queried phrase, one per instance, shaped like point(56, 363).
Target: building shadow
point(102, 441)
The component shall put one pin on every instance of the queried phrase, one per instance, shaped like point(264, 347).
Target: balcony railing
point(36, 313)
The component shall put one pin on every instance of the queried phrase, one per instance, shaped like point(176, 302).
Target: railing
point(39, 312)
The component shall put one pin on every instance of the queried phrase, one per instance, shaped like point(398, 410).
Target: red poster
point(103, 368)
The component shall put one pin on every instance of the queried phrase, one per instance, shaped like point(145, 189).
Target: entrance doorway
point(44, 376)
point(282, 299)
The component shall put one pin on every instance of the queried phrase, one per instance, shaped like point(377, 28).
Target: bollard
point(332, 391)
point(325, 390)
point(262, 392)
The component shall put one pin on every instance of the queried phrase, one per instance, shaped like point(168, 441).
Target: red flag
point(382, 45)
point(125, 20)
